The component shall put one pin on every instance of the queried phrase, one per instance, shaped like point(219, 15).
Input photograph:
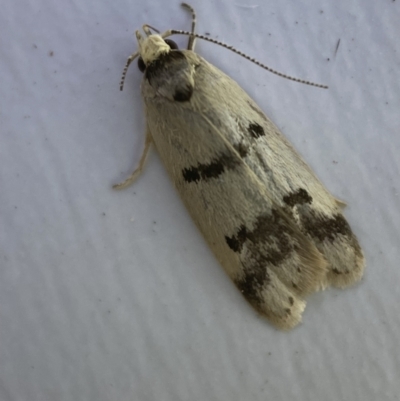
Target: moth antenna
point(192, 38)
point(253, 60)
point(128, 63)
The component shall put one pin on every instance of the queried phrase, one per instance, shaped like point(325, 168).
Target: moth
point(276, 230)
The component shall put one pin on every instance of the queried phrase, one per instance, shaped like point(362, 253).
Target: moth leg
point(192, 39)
point(142, 161)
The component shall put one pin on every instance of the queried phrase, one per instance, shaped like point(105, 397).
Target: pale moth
point(277, 231)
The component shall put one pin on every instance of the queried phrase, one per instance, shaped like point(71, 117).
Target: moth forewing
point(276, 230)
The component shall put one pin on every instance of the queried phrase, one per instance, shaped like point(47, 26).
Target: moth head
point(152, 47)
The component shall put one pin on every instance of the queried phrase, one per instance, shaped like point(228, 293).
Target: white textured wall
point(109, 295)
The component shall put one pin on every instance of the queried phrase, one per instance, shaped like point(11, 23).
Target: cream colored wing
point(283, 173)
point(271, 262)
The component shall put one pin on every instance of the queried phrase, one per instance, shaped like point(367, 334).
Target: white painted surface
point(109, 295)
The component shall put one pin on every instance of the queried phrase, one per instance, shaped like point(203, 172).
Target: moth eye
point(141, 64)
point(171, 44)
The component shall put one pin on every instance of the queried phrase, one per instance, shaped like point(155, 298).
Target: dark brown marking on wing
point(324, 228)
point(251, 284)
point(255, 130)
point(267, 243)
point(236, 241)
point(206, 171)
point(268, 230)
point(328, 228)
point(299, 197)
